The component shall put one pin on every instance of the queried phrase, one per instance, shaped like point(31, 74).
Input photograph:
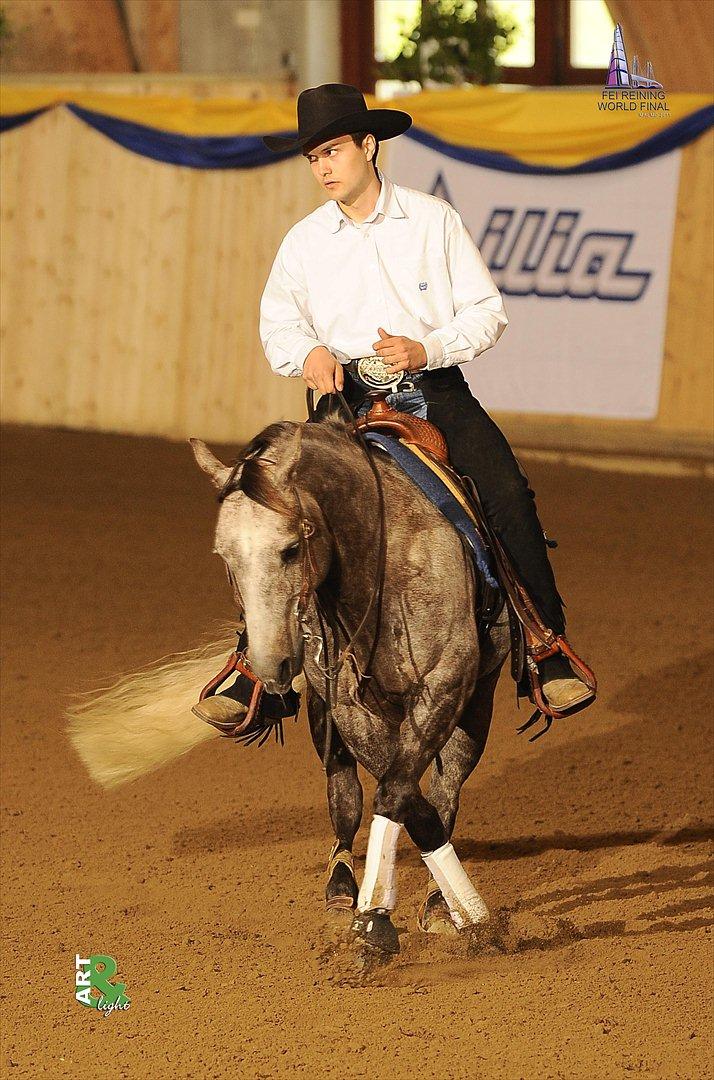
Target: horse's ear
point(210, 464)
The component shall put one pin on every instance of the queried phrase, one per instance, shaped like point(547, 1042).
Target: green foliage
point(455, 41)
point(5, 31)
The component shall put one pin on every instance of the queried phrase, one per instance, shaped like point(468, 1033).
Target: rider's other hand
point(400, 353)
point(322, 372)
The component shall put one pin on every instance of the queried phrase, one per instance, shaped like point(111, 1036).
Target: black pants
point(479, 449)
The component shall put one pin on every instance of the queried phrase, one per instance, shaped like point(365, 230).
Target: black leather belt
point(371, 372)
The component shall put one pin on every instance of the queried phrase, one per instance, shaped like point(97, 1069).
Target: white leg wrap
point(379, 885)
point(465, 904)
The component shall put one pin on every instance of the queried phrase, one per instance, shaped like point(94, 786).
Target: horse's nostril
point(284, 672)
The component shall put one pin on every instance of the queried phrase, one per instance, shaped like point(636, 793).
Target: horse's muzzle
point(282, 681)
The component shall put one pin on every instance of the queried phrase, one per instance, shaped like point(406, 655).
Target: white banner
point(583, 265)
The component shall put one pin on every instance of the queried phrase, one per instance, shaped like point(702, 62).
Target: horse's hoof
point(369, 961)
point(434, 916)
point(338, 905)
point(341, 892)
point(376, 932)
point(439, 924)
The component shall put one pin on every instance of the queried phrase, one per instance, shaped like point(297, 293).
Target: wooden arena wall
point(130, 292)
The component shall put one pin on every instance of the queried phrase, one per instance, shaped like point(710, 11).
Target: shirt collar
point(387, 204)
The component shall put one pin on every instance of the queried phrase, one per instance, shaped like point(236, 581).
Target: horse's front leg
point(400, 796)
point(399, 801)
point(344, 797)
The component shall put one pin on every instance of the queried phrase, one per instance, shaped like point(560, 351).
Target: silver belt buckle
point(372, 371)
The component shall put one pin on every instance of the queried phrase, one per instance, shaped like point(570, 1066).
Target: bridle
point(309, 590)
point(307, 529)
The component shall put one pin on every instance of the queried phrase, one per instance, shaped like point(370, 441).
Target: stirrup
point(536, 652)
point(237, 662)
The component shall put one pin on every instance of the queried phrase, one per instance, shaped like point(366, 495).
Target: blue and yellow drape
point(533, 131)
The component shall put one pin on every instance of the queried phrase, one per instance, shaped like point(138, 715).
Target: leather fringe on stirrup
point(254, 725)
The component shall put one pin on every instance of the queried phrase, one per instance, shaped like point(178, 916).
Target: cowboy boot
point(562, 688)
point(228, 706)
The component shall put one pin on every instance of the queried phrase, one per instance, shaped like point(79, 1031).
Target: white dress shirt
point(411, 268)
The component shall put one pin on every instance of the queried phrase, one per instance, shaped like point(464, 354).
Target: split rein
point(308, 588)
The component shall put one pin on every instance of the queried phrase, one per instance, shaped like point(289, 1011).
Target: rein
point(308, 590)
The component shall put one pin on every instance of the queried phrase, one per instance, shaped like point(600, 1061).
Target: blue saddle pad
point(438, 493)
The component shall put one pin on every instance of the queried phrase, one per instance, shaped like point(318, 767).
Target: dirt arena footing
point(205, 880)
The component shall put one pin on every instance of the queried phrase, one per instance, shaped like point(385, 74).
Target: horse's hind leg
point(457, 760)
point(344, 797)
point(462, 752)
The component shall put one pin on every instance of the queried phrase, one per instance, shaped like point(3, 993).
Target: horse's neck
point(341, 481)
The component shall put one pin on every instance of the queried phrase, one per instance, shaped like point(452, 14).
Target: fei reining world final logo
point(628, 89)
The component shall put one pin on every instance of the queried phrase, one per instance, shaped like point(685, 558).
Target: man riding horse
point(382, 286)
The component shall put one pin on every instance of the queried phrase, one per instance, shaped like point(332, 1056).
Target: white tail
point(144, 720)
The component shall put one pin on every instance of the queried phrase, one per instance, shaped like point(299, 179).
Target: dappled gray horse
point(299, 531)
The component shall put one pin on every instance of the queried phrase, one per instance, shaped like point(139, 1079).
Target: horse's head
point(262, 535)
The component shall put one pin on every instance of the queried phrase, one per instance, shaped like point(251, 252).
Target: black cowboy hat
point(337, 109)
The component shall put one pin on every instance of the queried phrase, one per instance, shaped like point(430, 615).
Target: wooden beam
point(154, 30)
point(357, 44)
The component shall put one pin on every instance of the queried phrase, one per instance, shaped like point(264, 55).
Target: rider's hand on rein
point(321, 371)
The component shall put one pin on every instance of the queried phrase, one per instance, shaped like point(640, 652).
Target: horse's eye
point(290, 552)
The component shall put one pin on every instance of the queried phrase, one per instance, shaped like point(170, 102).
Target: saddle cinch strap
point(531, 641)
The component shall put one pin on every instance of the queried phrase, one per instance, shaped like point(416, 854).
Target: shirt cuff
point(304, 353)
point(435, 352)
point(437, 348)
